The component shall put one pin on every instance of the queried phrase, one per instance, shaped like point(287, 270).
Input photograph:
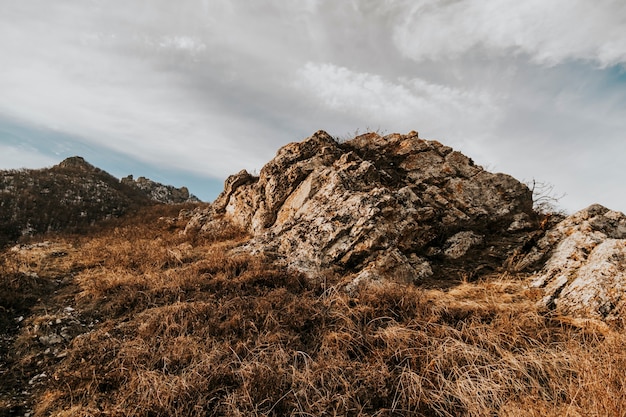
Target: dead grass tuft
point(180, 326)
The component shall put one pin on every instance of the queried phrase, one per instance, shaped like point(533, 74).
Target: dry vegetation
point(36, 201)
point(154, 323)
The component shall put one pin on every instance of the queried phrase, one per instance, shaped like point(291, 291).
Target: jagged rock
point(373, 206)
point(158, 192)
point(585, 273)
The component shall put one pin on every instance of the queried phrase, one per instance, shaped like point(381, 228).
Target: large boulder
point(375, 207)
point(584, 273)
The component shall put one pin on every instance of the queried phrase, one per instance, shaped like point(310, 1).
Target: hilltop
point(380, 276)
point(72, 195)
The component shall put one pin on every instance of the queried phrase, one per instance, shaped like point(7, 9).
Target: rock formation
point(76, 163)
point(161, 193)
point(411, 210)
point(393, 207)
point(585, 268)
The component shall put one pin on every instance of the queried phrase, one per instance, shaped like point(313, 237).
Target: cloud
point(550, 32)
point(13, 157)
point(204, 88)
point(404, 103)
point(127, 88)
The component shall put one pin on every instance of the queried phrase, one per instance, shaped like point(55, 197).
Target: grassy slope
point(162, 324)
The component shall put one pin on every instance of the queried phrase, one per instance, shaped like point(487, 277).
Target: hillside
point(73, 194)
point(382, 276)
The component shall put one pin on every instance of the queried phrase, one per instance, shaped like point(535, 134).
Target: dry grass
point(179, 327)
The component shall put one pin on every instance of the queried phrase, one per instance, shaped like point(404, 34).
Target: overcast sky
point(188, 92)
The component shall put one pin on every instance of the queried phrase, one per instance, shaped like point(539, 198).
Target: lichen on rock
point(375, 206)
point(585, 271)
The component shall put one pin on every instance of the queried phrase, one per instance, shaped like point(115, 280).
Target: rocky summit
point(161, 193)
point(377, 207)
point(401, 208)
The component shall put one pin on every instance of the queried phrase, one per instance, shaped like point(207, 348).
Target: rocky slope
point(377, 207)
point(166, 194)
point(380, 276)
point(405, 209)
point(372, 209)
point(71, 194)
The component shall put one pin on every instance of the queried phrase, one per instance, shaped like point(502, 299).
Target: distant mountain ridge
point(72, 194)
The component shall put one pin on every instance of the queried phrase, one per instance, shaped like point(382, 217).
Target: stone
point(584, 274)
point(50, 339)
point(458, 245)
point(521, 221)
point(166, 194)
point(374, 207)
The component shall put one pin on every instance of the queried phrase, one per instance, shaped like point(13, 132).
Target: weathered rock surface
point(166, 194)
point(375, 207)
point(585, 272)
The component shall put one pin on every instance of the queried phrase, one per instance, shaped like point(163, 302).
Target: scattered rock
point(51, 339)
point(38, 378)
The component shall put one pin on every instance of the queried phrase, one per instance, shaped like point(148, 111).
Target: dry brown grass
point(180, 327)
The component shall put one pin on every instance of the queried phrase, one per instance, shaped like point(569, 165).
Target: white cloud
point(12, 157)
point(550, 32)
point(125, 90)
point(213, 86)
point(402, 104)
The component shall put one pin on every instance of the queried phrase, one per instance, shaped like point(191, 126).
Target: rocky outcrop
point(70, 195)
point(375, 207)
point(76, 163)
point(585, 264)
point(161, 193)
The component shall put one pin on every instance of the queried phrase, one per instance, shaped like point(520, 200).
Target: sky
point(188, 92)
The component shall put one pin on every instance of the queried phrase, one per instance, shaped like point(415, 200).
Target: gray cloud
point(399, 103)
point(548, 31)
point(209, 87)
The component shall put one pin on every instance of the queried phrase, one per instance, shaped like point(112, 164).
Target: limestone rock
point(374, 206)
point(161, 193)
point(458, 245)
point(585, 274)
point(78, 163)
